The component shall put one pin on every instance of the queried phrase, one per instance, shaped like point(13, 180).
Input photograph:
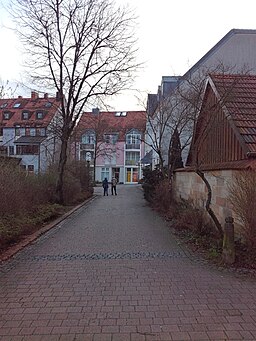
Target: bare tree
point(176, 116)
point(84, 49)
point(169, 118)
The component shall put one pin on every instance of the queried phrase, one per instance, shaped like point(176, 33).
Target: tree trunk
point(161, 164)
point(61, 168)
point(208, 203)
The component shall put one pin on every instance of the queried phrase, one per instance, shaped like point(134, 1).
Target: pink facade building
point(112, 142)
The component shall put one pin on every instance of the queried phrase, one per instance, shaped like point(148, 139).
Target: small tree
point(84, 49)
point(175, 158)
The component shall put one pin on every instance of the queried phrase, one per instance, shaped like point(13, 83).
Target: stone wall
point(189, 186)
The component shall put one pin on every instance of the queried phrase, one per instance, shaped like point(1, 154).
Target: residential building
point(112, 142)
point(223, 144)
point(157, 117)
point(29, 130)
point(233, 54)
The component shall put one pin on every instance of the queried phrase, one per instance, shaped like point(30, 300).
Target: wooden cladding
point(215, 140)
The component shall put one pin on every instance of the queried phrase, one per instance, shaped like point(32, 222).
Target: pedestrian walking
point(105, 186)
point(113, 185)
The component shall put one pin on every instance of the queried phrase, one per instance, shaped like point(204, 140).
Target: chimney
point(58, 96)
point(95, 111)
point(34, 95)
point(45, 96)
point(19, 97)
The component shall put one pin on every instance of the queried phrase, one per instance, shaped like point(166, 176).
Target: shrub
point(163, 198)
point(27, 200)
point(151, 178)
point(242, 196)
point(192, 218)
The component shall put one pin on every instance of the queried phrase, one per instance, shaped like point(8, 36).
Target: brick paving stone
point(138, 337)
point(114, 271)
point(180, 336)
point(197, 336)
point(217, 335)
point(123, 337)
point(102, 337)
point(83, 337)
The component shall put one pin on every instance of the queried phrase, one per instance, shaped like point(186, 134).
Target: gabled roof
point(240, 103)
point(236, 99)
point(215, 48)
point(113, 122)
point(17, 106)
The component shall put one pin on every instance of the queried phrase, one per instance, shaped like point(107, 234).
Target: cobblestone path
point(113, 271)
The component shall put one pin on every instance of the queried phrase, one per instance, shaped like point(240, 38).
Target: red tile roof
point(241, 104)
point(46, 105)
point(113, 123)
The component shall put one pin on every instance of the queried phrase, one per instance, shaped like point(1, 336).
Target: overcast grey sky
point(173, 35)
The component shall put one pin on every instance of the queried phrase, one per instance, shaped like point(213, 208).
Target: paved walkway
point(113, 271)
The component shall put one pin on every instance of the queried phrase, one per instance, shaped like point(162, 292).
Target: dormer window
point(25, 115)
point(39, 115)
point(48, 104)
point(89, 137)
point(133, 138)
point(17, 105)
point(6, 115)
point(4, 105)
point(121, 114)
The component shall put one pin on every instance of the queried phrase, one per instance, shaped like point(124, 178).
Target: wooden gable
point(217, 139)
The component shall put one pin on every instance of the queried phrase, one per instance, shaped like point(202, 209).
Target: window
point(39, 115)
point(17, 131)
point(132, 158)
point(32, 131)
point(48, 104)
point(1, 131)
point(133, 139)
point(104, 173)
point(40, 132)
point(111, 138)
point(6, 116)
point(121, 113)
point(114, 138)
point(25, 115)
point(27, 149)
point(16, 105)
point(4, 105)
point(11, 150)
point(23, 167)
point(31, 168)
point(107, 138)
point(88, 138)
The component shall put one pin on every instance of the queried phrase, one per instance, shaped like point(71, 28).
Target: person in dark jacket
point(105, 186)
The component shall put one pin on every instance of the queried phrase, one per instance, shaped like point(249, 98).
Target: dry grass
point(27, 200)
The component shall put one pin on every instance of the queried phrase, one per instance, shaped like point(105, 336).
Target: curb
point(12, 250)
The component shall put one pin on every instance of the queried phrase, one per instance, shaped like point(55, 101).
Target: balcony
point(131, 163)
point(132, 146)
point(86, 146)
